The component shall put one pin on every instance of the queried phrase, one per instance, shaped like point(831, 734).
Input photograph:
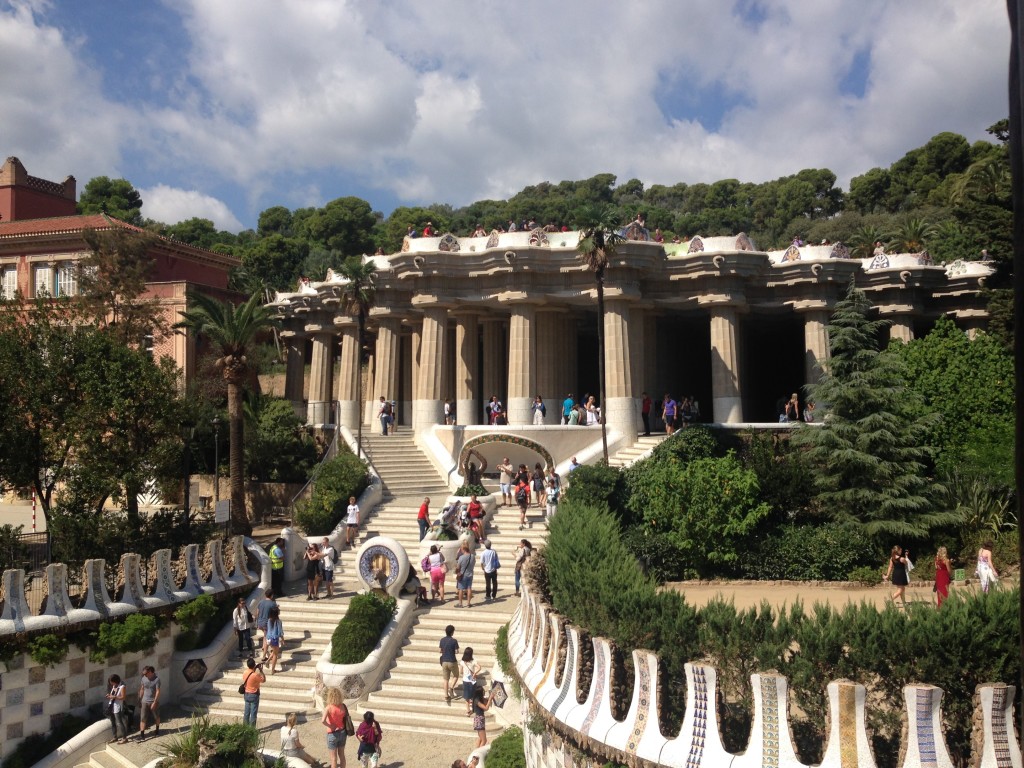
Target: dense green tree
point(276, 220)
point(274, 262)
point(199, 232)
point(116, 197)
point(112, 279)
point(233, 331)
point(344, 225)
point(970, 384)
point(277, 448)
point(870, 456)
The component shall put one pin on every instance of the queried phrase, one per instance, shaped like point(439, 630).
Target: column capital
point(813, 305)
point(318, 329)
point(735, 301)
point(345, 321)
point(293, 334)
point(888, 310)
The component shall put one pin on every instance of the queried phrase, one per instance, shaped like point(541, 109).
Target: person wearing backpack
point(384, 414)
point(522, 495)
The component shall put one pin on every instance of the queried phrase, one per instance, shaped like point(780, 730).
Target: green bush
point(866, 574)
point(48, 650)
point(201, 619)
point(12, 550)
point(507, 750)
point(343, 476)
point(595, 485)
point(505, 664)
point(136, 633)
point(469, 490)
point(195, 612)
point(656, 554)
point(238, 745)
point(360, 628)
point(36, 747)
point(810, 552)
point(596, 584)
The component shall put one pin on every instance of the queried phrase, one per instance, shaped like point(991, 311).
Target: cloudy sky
point(222, 108)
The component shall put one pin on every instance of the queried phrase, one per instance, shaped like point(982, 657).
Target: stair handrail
point(330, 453)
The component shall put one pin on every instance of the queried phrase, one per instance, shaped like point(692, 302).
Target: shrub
point(12, 550)
point(596, 485)
point(507, 750)
point(136, 633)
point(339, 478)
point(469, 490)
point(201, 619)
point(657, 556)
point(865, 574)
point(48, 650)
point(359, 630)
point(237, 745)
point(36, 747)
point(195, 612)
point(505, 664)
point(810, 552)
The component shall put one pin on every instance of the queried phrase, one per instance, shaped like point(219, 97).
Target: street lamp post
point(187, 432)
point(216, 461)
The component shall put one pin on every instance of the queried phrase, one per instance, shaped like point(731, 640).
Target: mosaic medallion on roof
point(744, 243)
point(449, 243)
point(539, 237)
point(492, 239)
point(839, 251)
point(792, 254)
point(696, 245)
point(881, 261)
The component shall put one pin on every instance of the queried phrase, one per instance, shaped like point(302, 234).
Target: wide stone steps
point(107, 758)
point(308, 627)
point(637, 451)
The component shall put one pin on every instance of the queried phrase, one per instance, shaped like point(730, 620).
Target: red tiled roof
point(59, 224)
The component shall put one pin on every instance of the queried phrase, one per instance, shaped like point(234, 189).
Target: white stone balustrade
point(59, 611)
point(537, 633)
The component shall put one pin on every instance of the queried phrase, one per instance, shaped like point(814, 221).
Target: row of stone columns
point(539, 356)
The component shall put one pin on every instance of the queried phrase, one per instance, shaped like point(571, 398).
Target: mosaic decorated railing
point(173, 582)
point(535, 637)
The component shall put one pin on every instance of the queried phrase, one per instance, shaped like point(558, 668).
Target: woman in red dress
point(943, 575)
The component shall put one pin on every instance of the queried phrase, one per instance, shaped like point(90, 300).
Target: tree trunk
point(599, 274)
point(359, 385)
point(236, 433)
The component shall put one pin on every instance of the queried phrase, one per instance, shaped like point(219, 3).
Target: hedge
point(360, 628)
point(596, 583)
point(339, 478)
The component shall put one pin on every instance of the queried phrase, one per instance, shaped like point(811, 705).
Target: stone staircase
point(308, 626)
point(107, 758)
point(637, 451)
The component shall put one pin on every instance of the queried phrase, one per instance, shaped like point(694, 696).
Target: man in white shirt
point(328, 557)
point(505, 470)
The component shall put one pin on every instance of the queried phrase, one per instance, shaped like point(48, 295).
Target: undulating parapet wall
point(578, 731)
point(170, 583)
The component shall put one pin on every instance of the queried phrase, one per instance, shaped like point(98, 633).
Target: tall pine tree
point(871, 454)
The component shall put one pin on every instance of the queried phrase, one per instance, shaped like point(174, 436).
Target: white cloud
point(451, 101)
point(170, 205)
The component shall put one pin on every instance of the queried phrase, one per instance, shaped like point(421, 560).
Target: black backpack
point(521, 493)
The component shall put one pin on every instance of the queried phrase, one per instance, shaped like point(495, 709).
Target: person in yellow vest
point(276, 554)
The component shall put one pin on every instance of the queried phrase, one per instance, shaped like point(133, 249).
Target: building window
point(67, 279)
point(9, 282)
point(42, 280)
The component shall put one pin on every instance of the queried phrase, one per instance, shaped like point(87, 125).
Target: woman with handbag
point(438, 570)
point(275, 638)
point(481, 703)
point(115, 710)
point(339, 726)
point(242, 622)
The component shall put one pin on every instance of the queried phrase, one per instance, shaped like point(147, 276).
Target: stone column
point(428, 397)
point(619, 408)
point(816, 348)
point(549, 326)
point(901, 329)
point(295, 369)
point(726, 404)
point(348, 408)
point(318, 409)
point(522, 363)
point(637, 369)
point(495, 357)
point(385, 379)
point(650, 345)
point(468, 408)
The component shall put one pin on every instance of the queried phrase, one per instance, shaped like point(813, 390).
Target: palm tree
point(598, 240)
point(863, 239)
point(912, 234)
point(357, 296)
point(232, 330)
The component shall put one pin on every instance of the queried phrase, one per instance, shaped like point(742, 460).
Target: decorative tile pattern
point(57, 687)
point(792, 254)
point(539, 237)
point(35, 709)
point(597, 686)
point(568, 676)
point(77, 666)
point(194, 670)
point(769, 721)
point(57, 720)
point(925, 731)
point(96, 678)
point(369, 562)
point(492, 239)
point(700, 717)
point(77, 699)
point(449, 243)
point(1000, 734)
point(924, 259)
point(643, 675)
point(848, 725)
point(56, 579)
point(15, 697)
point(37, 674)
point(353, 686)
point(839, 251)
point(881, 261)
point(696, 246)
point(15, 730)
